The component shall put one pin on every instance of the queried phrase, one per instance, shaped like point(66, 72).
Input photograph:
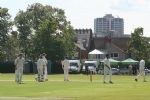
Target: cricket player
point(45, 67)
point(40, 68)
point(65, 67)
point(141, 70)
point(19, 63)
point(79, 66)
point(107, 69)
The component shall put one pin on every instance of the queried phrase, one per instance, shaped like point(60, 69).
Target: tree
point(5, 27)
point(138, 45)
point(47, 30)
point(2, 55)
point(12, 46)
point(23, 24)
point(5, 24)
point(68, 41)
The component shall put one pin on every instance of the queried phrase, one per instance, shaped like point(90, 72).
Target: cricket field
point(78, 88)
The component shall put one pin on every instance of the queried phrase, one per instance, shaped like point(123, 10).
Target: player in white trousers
point(65, 67)
point(141, 71)
point(45, 67)
point(107, 69)
point(40, 69)
point(19, 63)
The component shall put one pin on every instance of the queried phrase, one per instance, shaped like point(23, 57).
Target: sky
point(81, 13)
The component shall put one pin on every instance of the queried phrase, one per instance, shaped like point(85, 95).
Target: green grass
point(78, 88)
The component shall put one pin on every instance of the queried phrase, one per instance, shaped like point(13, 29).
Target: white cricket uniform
point(141, 69)
point(66, 66)
point(107, 70)
point(40, 68)
point(45, 68)
point(19, 63)
point(79, 66)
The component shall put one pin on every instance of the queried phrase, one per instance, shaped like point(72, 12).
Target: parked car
point(147, 71)
point(115, 71)
point(124, 71)
point(74, 65)
point(90, 66)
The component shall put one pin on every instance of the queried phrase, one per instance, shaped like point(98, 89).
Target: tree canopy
point(5, 27)
point(139, 46)
point(44, 29)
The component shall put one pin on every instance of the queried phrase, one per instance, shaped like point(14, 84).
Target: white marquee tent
point(95, 51)
point(96, 54)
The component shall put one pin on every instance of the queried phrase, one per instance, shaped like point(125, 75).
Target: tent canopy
point(112, 61)
point(129, 61)
point(95, 51)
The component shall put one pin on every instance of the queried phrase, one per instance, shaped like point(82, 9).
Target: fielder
point(19, 63)
point(107, 69)
point(141, 71)
point(45, 67)
point(65, 67)
point(40, 68)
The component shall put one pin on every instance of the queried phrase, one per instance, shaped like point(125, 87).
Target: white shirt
point(40, 63)
point(142, 64)
point(45, 61)
point(19, 62)
point(65, 64)
point(106, 62)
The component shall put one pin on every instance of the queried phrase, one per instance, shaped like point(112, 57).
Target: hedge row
point(7, 67)
point(30, 67)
